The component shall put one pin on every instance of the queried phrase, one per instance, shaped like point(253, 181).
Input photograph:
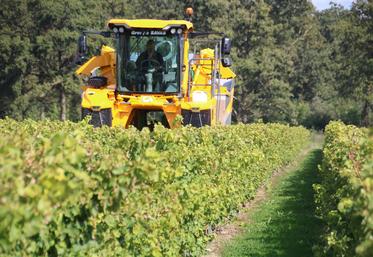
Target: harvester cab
point(151, 75)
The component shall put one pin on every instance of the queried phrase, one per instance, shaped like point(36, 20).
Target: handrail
point(189, 75)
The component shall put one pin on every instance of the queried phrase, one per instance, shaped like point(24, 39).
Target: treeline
point(295, 65)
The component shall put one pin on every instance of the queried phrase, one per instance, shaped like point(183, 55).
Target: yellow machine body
point(202, 98)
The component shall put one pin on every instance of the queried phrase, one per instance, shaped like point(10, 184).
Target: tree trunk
point(365, 113)
point(42, 114)
point(62, 103)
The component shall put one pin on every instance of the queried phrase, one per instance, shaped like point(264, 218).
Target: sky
point(323, 4)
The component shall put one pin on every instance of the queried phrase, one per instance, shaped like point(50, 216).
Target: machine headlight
point(115, 30)
point(147, 99)
point(173, 31)
point(121, 30)
point(199, 97)
point(179, 31)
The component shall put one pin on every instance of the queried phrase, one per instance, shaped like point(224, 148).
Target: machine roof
point(149, 23)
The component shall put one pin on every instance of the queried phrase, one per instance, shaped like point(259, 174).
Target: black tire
point(97, 81)
point(100, 118)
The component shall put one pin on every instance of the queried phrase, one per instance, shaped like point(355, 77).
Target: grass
point(284, 225)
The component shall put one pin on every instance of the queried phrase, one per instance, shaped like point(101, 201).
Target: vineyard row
point(71, 190)
point(344, 198)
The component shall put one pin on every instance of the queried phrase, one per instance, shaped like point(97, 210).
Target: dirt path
point(226, 233)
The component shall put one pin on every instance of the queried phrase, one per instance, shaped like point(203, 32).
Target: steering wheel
point(153, 65)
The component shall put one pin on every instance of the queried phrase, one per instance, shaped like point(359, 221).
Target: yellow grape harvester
point(151, 75)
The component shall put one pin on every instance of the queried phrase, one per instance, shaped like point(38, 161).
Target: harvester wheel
point(97, 81)
point(98, 118)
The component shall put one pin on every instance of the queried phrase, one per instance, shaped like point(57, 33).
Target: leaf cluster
point(345, 196)
point(72, 190)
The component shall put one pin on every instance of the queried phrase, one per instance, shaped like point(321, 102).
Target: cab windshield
point(148, 62)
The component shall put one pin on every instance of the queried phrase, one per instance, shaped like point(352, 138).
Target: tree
point(349, 35)
point(362, 58)
point(37, 53)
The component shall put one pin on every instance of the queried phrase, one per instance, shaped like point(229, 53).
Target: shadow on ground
point(285, 224)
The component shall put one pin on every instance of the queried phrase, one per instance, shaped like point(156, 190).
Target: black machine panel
point(196, 119)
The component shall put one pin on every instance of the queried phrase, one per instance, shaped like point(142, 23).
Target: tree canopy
point(294, 64)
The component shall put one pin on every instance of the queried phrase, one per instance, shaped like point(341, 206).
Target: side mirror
point(226, 45)
point(82, 50)
point(226, 62)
